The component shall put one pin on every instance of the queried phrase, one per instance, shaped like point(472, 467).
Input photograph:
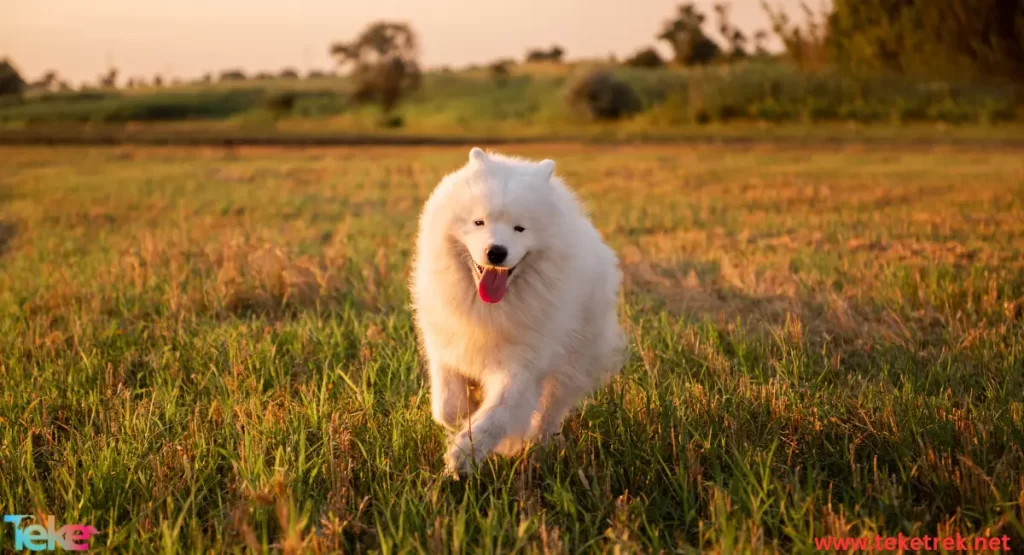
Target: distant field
point(531, 101)
point(210, 349)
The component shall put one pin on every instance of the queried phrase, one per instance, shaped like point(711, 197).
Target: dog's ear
point(546, 169)
point(476, 154)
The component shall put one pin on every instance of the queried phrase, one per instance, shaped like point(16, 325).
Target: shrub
point(150, 107)
point(390, 120)
point(501, 68)
point(232, 75)
point(948, 39)
point(305, 103)
point(600, 95)
point(281, 102)
point(647, 58)
point(11, 82)
point(500, 71)
point(554, 55)
point(321, 104)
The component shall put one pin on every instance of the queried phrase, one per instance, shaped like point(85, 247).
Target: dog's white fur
point(554, 337)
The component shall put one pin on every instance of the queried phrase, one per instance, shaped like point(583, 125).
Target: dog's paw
point(459, 460)
point(511, 446)
point(466, 453)
point(450, 426)
point(446, 416)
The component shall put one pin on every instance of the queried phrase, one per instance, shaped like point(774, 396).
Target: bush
point(501, 68)
point(776, 92)
point(391, 121)
point(150, 107)
point(948, 39)
point(600, 95)
point(281, 102)
point(232, 75)
point(647, 58)
point(11, 82)
point(177, 106)
point(304, 103)
point(321, 104)
point(79, 96)
point(553, 55)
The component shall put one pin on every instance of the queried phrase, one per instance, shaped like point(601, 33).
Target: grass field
point(211, 350)
point(532, 100)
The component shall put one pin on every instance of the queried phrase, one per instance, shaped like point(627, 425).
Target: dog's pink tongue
point(493, 285)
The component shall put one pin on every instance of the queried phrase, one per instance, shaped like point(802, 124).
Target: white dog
point(514, 294)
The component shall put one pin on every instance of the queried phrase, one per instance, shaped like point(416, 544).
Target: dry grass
point(210, 349)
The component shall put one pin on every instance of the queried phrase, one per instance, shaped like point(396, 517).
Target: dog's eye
point(478, 223)
point(519, 228)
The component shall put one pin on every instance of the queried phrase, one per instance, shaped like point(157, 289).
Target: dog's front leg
point(450, 399)
point(510, 400)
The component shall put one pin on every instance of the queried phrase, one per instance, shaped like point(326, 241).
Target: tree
point(686, 37)
point(501, 70)
point(48, 82)
point(288, 73)
point(733, 36)
point(948, 39)
point(109, 79)
point(11, 82)
point(232, 75)
point(647, 57)
point(383, 62)
point(760, 36)
point(553, 55)
point(805, 45)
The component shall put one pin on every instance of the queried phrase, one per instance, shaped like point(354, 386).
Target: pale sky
point(186, 38)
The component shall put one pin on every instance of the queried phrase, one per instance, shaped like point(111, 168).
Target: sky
point(80, 39)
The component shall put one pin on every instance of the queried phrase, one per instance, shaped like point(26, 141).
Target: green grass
point(211, 350)
point(533, 100)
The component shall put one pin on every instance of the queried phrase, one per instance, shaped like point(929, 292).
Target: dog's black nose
point(496, 254)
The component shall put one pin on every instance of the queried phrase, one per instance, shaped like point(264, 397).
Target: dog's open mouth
point(491, 281)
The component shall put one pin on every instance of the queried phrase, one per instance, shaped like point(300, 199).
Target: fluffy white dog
point(514, 294)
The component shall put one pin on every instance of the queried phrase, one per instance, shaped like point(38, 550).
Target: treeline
point(13, 84)
point(894, 61)
point(947, 39)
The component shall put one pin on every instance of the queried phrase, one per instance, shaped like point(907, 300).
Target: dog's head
point(500, 210)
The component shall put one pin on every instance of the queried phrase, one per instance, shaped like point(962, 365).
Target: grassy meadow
point(756, 97)
point(211, 350)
